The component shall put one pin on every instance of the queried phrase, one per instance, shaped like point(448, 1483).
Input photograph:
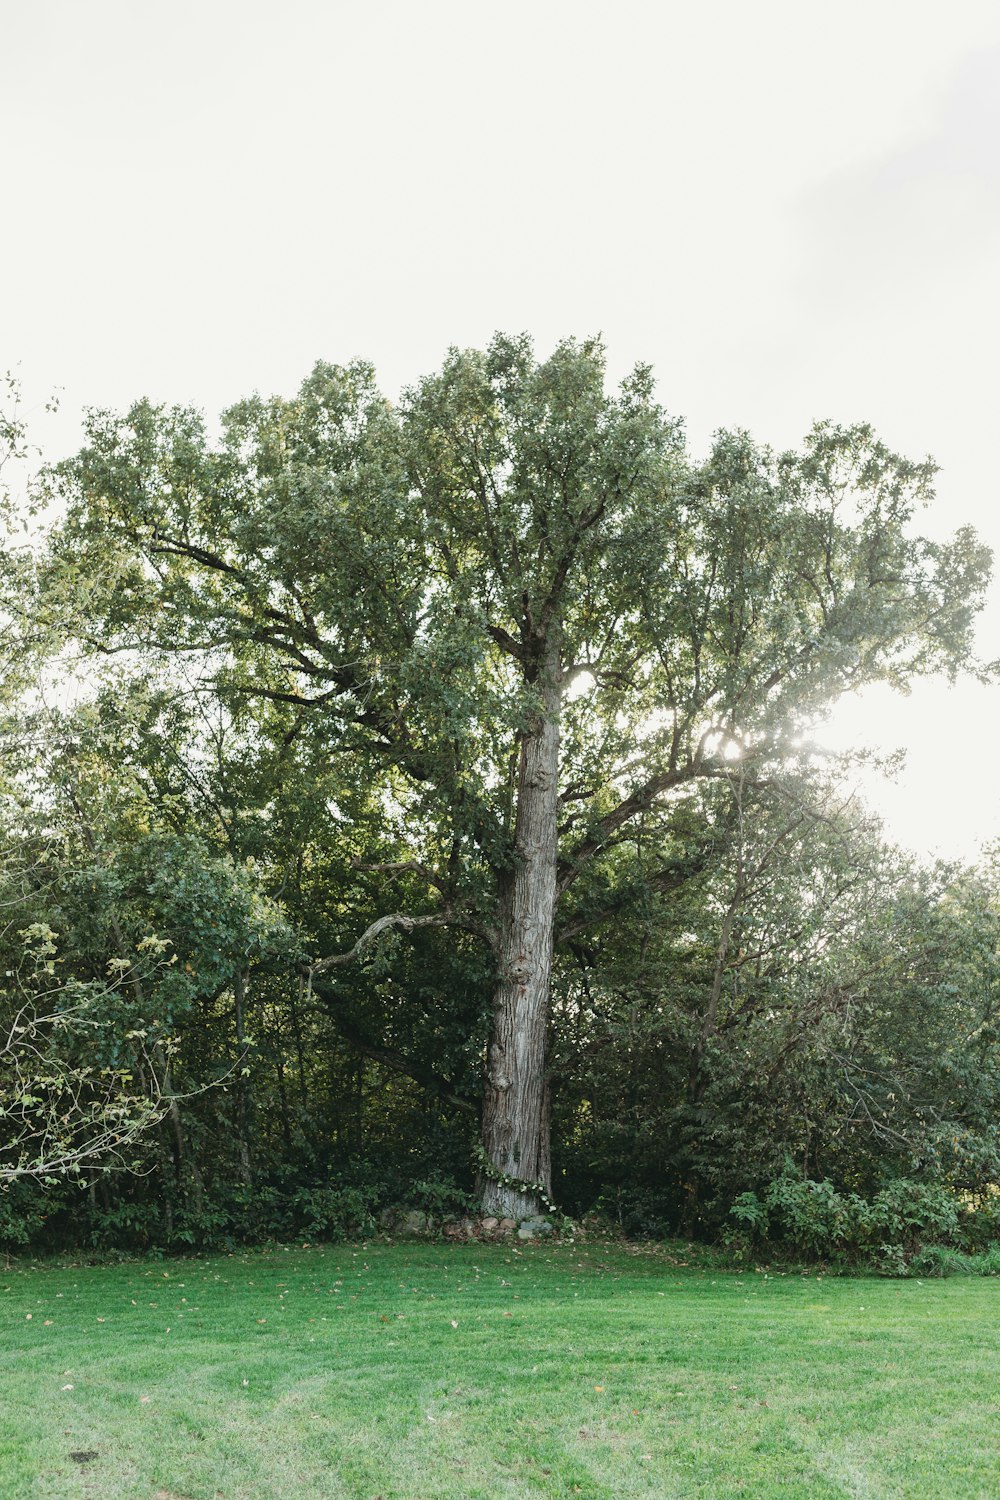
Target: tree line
point(415, 802)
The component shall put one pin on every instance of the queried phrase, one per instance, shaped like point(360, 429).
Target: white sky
point(791, 210)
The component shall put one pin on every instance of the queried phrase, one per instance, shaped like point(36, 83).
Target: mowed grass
point(446, 1373)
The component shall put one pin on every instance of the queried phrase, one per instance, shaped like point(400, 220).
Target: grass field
point(446, 1373)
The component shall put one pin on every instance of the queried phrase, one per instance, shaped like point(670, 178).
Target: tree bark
point(242, 1112)
point(515, 1113)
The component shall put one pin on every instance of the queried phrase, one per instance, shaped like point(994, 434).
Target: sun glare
point(940, 804)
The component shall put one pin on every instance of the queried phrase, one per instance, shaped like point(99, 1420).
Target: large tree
point(529, 621)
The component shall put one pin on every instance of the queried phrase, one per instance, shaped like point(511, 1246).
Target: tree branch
point(640, 801)
point(390, 1058)
point(445, 918)
point(670, 878)
point(401, 867)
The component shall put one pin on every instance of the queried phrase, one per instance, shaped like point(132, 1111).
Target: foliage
point(905, 1228)
point(71, 1103)
point(416, 589)
point(322, 660)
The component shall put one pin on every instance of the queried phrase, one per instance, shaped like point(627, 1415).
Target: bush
point(333, 1212)
point(911, 1213)
point(938, 1260)
point(979, 1224)
point(441, 1198)
point(748, 1211)
point(21, 1216)
point(987, 1263)
point(813, 1217)
point(906, 1225)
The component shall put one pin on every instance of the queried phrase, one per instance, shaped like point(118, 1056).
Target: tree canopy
point(505, 699)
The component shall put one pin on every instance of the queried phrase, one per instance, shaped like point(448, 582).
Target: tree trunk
point(515, 1113)
point(242, 1136)
point(173, 1184)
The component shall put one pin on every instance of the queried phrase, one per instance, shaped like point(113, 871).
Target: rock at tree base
point(460, 1229)
point(406, 1221)
point(531, 1229)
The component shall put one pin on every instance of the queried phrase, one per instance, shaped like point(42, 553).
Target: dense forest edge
point(411, 820)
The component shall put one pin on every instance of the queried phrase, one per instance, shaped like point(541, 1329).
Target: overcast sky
point(791, 210)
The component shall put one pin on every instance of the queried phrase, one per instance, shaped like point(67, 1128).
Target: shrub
point(938, 1260)
point(813, 1217)
point(440, 1198)
point(21, 1216)
point(748, 1211)
point(979, 1224)
point(903, 1222)
point(987, 1263)
point(911, 1213)
point(333, 1212)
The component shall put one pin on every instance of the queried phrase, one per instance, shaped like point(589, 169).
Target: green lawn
point(416, 1372)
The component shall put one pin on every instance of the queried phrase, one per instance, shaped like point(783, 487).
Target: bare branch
point(444, 918)
point(401, 867)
